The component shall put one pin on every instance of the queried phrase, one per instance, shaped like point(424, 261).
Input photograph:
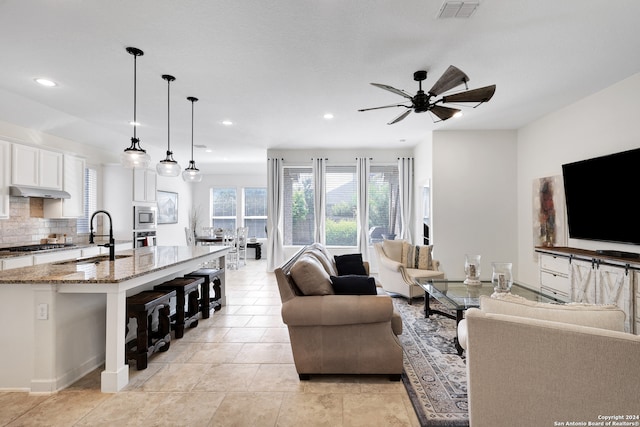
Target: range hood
point(43, 193)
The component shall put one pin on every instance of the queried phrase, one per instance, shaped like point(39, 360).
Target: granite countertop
point(5, 253)
point(128, 264)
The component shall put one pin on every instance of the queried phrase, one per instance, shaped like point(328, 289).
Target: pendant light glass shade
point(168, 166)
point(192, 173)
point(134, 156)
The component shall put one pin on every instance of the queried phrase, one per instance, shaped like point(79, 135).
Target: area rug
point(434, 375)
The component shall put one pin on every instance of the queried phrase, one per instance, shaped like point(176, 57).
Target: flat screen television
point(601, 195)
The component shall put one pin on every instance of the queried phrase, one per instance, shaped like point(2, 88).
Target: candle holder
point(502, 278)
point(472, 270)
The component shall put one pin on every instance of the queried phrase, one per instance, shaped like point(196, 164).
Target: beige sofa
point(393, 274)
point(536, 364)
point(336, 334)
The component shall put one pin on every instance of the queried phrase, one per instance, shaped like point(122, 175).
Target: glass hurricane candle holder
point(502, 278)
point(472, 269)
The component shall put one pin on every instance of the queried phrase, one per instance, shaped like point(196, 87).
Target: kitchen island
point(64, 319)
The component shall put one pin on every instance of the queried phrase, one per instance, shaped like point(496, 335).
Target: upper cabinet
point(144, 185)
point(5, 165)
point(72, 183)
point(35, 167)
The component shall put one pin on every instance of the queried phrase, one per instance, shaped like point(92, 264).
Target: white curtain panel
point(405, 179)
point(319, 202)
point(362, 171)
point(275, 246)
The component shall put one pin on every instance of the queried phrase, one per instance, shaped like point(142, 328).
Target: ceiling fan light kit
point(192, 173)
point(168, 166)
point(422, 102)
point(134, 156)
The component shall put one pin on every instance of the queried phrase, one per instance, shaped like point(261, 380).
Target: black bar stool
point(142, 307)
point(186, 291)
point(211, 279)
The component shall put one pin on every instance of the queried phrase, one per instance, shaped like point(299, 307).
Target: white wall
point(173, 234)
point(474, 199)
point(603, 123)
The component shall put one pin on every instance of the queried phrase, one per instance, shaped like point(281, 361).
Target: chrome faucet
point(112, 243)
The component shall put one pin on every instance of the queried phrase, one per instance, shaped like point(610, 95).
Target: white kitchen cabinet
point(144, 185)
point(72, 183)
point(554, 276)
point(56, 256)
point(5, 177)
point(35, 167)
point(595, 283)
point(17, 262)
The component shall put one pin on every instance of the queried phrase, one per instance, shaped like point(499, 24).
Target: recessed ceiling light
point(328, 116)
point(46, 82)
point(458, 114)
point(209, 150)
point(227, 122)
point(134, 123)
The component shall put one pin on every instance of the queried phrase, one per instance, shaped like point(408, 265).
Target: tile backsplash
point(26, 224)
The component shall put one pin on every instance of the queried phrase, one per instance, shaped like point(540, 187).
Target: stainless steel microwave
point(144, 217)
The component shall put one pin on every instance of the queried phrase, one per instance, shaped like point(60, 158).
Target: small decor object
point(472, 269)
point(167, 207)
point(501, 278)
point(134, 156)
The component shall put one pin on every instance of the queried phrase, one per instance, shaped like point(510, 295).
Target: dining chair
point(241, 244)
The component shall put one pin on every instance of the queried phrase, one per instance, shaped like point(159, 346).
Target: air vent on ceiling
point(200, 146)
point(457, 9)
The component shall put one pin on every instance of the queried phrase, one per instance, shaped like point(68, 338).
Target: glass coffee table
point(456, 296)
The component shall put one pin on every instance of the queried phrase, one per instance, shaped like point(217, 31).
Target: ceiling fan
point(421, 101)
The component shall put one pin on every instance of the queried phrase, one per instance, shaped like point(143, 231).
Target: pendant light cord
point(135, 121)
point(192, 103)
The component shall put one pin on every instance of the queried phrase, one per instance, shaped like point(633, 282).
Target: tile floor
point(233, 369)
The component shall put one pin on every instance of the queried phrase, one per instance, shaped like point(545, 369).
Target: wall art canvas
point(549, 212)
point(167, 207)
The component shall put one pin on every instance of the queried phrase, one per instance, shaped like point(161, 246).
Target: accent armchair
point(536, 364)
point(394, 274)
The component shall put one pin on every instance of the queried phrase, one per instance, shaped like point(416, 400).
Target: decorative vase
point(501, 278)
point(472, 269)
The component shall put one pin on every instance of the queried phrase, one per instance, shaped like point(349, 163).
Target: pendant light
point(192, 173)
point(134, 156)
point(168, 166)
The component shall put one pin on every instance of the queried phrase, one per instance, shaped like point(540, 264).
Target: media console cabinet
point(578, 275)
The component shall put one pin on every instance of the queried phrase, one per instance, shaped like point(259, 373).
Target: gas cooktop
point(38, 247)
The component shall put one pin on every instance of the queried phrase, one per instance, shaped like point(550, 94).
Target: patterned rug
point(434, 374)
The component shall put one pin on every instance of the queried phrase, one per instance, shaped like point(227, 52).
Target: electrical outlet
point(43, 311)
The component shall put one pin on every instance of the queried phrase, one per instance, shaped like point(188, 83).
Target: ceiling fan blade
point(443, 113)
point(451, 78)
point(480, 95)
point(385, 106)
point(393, 89)
point(400, 117)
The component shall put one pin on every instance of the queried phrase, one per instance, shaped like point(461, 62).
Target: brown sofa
point(336, 334)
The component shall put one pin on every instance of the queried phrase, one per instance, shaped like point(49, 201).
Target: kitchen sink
point(90, 260)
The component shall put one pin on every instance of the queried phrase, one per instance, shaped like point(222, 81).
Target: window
point(90, 199)
point(255, 211)
point(298, 205)
point(383, 201)
point(341, 192)
point(224, 208)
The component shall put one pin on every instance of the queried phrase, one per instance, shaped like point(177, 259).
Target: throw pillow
point(350, 264)
point(417, 256)
point(354, 285)
point(311, 277)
